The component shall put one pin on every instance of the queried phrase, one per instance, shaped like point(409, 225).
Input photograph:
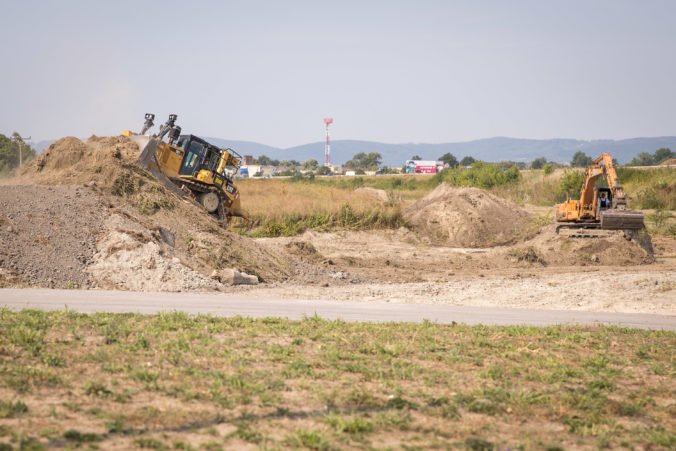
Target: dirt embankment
point(467, 217)
point(85, 215)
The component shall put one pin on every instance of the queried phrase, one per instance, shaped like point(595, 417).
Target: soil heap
point(89, 208)
point(467, 217)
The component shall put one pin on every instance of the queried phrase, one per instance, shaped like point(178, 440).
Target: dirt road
point(217, 304)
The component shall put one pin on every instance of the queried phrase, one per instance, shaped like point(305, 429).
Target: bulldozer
point(598, 208)
point(191, 167)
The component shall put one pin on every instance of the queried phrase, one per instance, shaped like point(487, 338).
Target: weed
point(81, 437)
point(479, 444)
point(150, 443)
point(308, 439)
point(245, 433)
point(356, 425)
point(12, 409)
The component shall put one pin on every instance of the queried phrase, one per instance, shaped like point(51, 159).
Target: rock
point(167, 236)
point(595, 258)
point(234, 277)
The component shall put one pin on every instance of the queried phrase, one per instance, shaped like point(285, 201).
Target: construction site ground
point(84, 215)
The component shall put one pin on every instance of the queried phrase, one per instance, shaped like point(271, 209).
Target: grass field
point(173, 381)
point(286, 207)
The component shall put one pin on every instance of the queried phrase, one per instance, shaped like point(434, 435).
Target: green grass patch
point(316, 384)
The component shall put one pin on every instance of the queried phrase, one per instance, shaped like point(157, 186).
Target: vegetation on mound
point(145, 193)
point(134, 380)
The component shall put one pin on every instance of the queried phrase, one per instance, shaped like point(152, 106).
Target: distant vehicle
point(423, 166)
point(350, 173)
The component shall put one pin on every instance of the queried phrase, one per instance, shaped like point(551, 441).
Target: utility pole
point(19, 140)
point(327, 149)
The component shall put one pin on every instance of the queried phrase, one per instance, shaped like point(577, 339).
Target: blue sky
point(392, 71)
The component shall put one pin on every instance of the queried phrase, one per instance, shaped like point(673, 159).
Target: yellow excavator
point(191, 167)
point(602, 208)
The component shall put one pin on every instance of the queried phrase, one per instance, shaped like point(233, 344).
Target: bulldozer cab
point(198, 155)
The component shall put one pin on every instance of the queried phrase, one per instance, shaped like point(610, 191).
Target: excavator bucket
point(622, 219)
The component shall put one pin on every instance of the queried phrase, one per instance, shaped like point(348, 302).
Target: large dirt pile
point(610, 249)
point(467, 217)
point(48, 235)
point(113, 225)
point(69, 161)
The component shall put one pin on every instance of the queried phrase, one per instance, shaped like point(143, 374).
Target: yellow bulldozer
point(191, 167)
point(599, 208)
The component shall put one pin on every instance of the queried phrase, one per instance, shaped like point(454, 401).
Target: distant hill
point(490, 149)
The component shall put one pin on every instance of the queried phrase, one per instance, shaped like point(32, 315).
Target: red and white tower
point(327, 151)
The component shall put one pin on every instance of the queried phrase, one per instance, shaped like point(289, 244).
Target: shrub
point(548, 168)
point(481, 175)
point(571, 183)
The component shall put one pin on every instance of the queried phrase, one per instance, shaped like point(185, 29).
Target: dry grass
point(273, 198)
point(199, 382)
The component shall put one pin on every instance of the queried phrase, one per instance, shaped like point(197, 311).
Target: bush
point(571, 183)
point(481, 175)
point(548, 168)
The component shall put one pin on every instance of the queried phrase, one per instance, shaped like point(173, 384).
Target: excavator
point(191, 167)
point(603, 208)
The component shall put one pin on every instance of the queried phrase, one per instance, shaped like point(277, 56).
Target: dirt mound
point(138, 234)
point(467, 217)
point(611, 250)
point(378, 194)
point(669, 162)
point(69, 161)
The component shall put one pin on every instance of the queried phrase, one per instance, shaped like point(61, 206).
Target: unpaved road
point(217, 304)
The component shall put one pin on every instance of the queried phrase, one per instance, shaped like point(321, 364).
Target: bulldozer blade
point(622, 220)
point(148, 145)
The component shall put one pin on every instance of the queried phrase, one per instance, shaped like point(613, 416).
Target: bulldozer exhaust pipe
point(148, 124)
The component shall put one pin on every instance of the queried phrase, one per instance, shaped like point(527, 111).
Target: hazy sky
point(393, 71)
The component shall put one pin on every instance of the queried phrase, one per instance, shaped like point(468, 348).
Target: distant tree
point(467, 161)
point(580, 160)
point(289, 163)
point(264, 160)
point(363, 160)
point(323, 170)
point(9, 151)
point(449, 159)
point(310, 165)
point(643, 159)
point(663, 154)
point(538, 163)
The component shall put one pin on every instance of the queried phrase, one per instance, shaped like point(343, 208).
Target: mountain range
point(490, 149)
